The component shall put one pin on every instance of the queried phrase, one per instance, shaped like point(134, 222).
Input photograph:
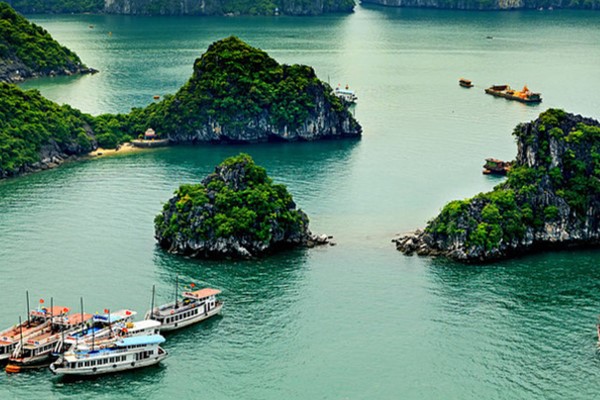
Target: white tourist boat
point(37, 349)
point(346, 94)
point(107, 325)
point(195, 306)
point(119, 355)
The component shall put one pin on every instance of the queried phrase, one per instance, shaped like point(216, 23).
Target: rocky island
point(490, 4)
point(28, 51)
point(186, 7)
point(238, 94)
point(551, 198)
point(236, 212)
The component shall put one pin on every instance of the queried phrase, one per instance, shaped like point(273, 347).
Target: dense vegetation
point(28, 122)
point(168, 7)
point(233, 85)
point(561, 184)
point(238, 202)
point(57, 6)
point(21, 40)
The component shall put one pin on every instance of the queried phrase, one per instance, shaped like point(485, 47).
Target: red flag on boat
point(106, 311)
point(128, 312)
point(65, 309)
point(192, 285)
point(41, 301)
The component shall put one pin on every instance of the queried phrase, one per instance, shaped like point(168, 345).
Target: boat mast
point(109, 326)
point(152, 303)
point(51, 309)
point(176, 284)
point(21, 333)
point(82, 325)
point(28, 320)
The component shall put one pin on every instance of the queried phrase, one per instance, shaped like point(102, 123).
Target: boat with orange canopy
point(524, 95)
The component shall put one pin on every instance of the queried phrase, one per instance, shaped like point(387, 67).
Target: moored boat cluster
point(80, 344)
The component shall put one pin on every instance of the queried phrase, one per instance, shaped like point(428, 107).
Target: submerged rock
point(551, 198)
point(236, 212)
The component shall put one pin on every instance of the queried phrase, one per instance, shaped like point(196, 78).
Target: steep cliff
point(27, 50)
point(236, 212)
point(186, 7)
point(490, 4)
point(238, 94)
point(551, 198)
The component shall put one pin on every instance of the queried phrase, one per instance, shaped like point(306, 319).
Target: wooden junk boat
point(465, 83)
point(525, 95)
point(494, 166)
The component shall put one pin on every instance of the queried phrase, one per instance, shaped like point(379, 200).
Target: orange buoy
point(12, 369)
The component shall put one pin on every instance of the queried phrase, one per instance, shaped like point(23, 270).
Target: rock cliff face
point(28, 51)
point(489, 4)
point(186, 7)
point(238, 94)
point(235, 212)
point(551, 198)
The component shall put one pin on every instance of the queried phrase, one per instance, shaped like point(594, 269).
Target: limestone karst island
point(293, 199)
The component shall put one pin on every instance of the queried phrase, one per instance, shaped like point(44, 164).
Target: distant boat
point(494, 166)
point(524, 95)
point(347, 95)
point(465, 83)
point(156, 97)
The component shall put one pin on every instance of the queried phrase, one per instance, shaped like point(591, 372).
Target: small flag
point(106, 311)
point(192, 285)
point(41, 301)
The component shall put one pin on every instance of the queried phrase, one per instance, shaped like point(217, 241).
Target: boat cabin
point(465, 83)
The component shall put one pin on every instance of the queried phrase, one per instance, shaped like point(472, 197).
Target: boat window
point(87, 363)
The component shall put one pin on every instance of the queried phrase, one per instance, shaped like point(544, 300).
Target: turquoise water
point(354, 321)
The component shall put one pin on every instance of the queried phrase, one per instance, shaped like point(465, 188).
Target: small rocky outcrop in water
point(551, 198)
point(28, 51)
point(238, 94)
point(235, 212)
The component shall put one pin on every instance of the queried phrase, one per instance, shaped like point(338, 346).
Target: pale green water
point(355, 321)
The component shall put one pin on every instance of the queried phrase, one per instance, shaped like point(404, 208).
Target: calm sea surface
point(354, 321)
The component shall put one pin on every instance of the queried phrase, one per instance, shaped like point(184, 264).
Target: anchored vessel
point(9, 338)
point(495, 167)
point(119, 355)
point(465, 83)
point(346, 94)
point(195, 307)
point(38, 348)
point(102, 326)
point(524, 95)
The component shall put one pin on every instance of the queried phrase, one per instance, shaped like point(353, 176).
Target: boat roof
point(138, 340)
point(344, 91)
point(75, 319)
point(115, 317)
point(145, 324)
point(202, 293)
point(48, 311)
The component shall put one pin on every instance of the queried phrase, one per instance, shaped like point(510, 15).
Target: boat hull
point(110, 369)
point(190, 321)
